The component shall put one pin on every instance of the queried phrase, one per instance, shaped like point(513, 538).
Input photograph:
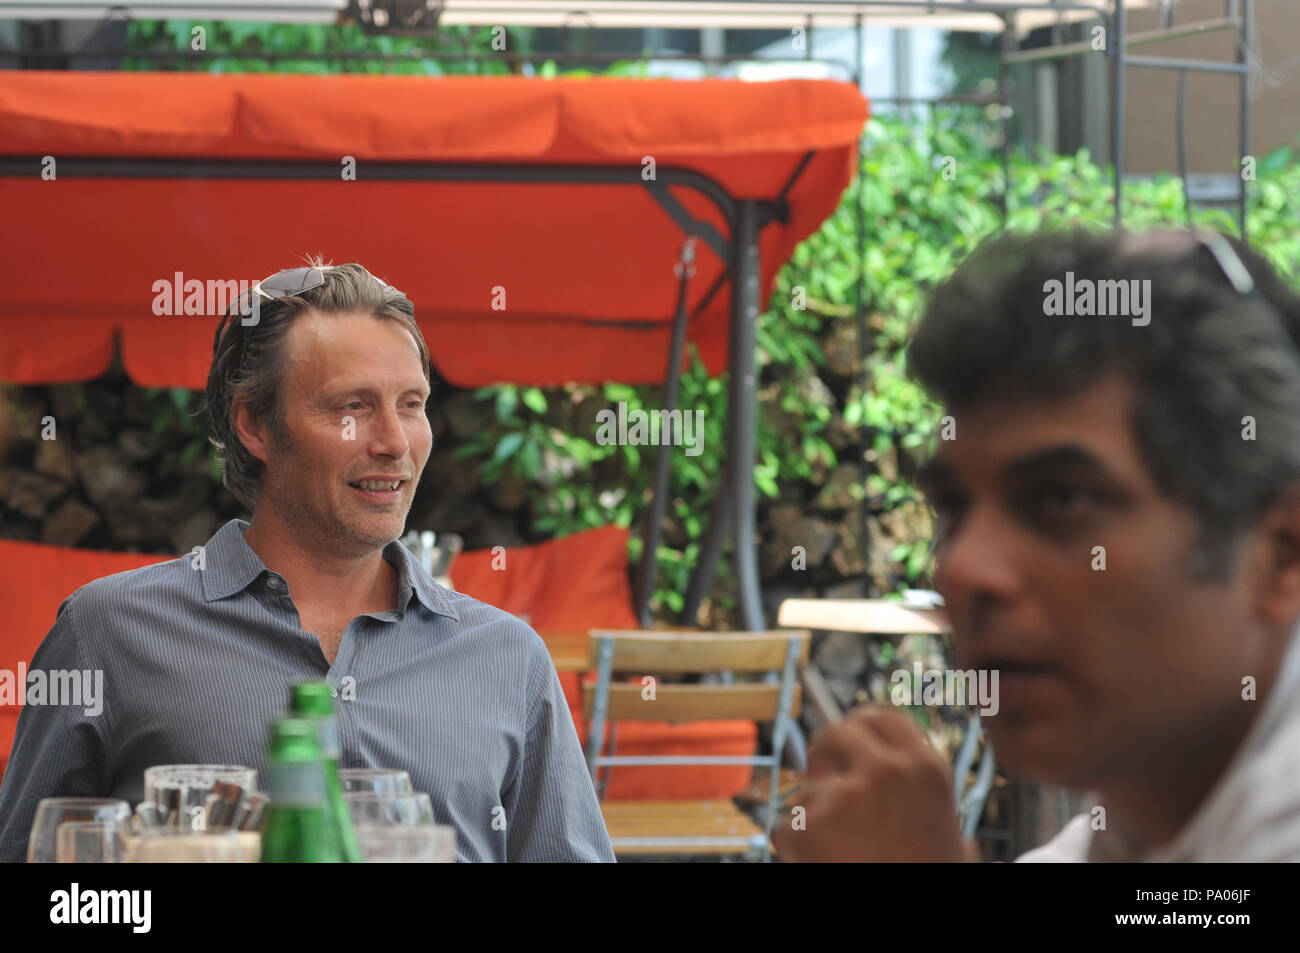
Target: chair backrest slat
point(758, 701)
point(675, 653)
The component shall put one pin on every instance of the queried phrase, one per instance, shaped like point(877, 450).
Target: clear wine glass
point(375, 780)
point(408, 809)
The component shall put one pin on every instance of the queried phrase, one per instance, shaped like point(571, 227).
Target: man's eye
point(1061, 502)
point(352, 405)
point(948, 512)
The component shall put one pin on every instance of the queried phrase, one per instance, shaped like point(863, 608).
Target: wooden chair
point(690, 827)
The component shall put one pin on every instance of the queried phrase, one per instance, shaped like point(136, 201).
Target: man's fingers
point(867, 730)
point(891, 725)
point(840, 747)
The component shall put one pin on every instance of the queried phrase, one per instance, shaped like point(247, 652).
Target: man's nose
point(388, 436)
point(977, 559)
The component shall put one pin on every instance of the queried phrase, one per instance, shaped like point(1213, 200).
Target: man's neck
point(1151, 810)
point(319, 578)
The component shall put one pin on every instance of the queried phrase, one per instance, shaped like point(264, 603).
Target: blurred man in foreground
point(1118, 535)
point(317, 405)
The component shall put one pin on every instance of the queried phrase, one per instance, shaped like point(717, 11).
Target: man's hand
point(876, 791)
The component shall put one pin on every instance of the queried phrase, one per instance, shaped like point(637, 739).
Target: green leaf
point(508, 445)
point(530, 460)
point(192, 451)
point(507, 401)
point(535, 400)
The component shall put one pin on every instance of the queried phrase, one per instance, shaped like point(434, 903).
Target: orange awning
point(260, 186)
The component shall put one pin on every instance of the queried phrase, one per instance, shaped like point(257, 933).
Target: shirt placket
point(344, 679)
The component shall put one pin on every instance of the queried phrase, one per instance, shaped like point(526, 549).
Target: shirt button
point(274, 584)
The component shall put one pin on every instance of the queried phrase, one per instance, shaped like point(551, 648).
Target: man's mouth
point(379, 490)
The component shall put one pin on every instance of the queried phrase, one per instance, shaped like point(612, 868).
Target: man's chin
point(1037, 750)
point(373, 531)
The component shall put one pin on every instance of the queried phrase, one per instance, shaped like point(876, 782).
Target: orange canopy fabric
point(507, 278)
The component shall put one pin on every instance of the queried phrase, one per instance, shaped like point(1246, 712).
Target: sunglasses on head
point(1234, 269)
point(296, 281)
point(282, 284)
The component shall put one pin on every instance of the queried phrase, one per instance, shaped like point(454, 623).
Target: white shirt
point(1252, 814)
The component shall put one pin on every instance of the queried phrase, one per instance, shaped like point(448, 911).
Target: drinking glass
point(375, 780)
point(53, 812)
point(172, 845)
point(182, 793)
point(387, 809)
point(89, 842)
point(407, 843)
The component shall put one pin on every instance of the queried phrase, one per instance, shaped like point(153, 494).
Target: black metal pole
point(1244, 39)
point(710, 546)
point(654, 517)
point(1118, 53)
point(1008, 45)
point(744, 411)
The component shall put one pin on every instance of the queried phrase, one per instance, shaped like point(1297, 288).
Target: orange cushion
point(573, 583)
point(707, 782)
point(34, 581)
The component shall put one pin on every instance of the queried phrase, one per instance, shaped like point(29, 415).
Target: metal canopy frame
point(733, 514)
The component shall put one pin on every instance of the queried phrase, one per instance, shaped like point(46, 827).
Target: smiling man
point(317, 406)
point(1118, 535)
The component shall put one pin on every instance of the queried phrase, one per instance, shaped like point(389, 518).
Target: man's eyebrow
point(338, 393)
point(1068, 456)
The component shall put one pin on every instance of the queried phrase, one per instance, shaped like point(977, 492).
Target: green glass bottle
point(314, 700)
point(296, 830)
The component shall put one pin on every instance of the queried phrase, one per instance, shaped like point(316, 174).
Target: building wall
point(1213, 99)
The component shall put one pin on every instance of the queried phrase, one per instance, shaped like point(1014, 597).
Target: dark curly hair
point(1208, 357)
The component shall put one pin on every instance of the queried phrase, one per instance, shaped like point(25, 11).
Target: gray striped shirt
point(198, 661)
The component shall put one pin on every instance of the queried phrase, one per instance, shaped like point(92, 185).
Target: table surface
point(867, 616)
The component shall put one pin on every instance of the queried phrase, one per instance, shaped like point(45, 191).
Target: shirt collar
point(412, 579)
point(230, 566)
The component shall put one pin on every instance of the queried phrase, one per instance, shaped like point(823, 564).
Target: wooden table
point(864, 616)
point(867, 616)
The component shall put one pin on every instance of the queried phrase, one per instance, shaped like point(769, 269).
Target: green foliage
point(174, 414)
point(245, 47)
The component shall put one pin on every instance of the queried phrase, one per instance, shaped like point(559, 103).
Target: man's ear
point(250, 430)
point(1280, 585)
